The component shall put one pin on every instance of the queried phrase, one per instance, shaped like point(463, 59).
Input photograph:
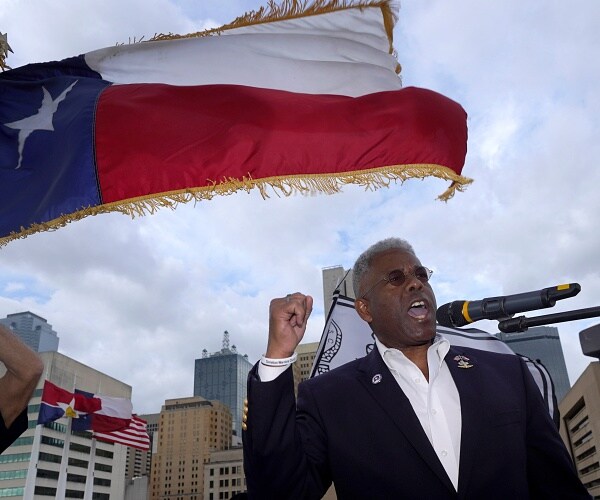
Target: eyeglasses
point(398, 276)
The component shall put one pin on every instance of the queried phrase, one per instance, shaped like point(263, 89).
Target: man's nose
point(413, 283)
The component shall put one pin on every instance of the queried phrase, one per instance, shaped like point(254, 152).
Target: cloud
point(140, 299)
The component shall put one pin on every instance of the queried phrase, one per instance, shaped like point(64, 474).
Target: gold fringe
point(371, 180)
point(294, 9)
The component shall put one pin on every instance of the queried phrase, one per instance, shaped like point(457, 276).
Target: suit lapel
point(470, 387)
point(380, 383)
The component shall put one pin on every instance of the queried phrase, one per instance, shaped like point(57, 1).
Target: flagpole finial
point(4, 50)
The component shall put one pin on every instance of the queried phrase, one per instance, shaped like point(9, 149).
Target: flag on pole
point(298, 98)
point(113, 414)
point(135, 435)
point(347, 337)
point(57, 402)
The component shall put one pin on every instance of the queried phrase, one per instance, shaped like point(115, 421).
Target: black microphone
point(462, 312)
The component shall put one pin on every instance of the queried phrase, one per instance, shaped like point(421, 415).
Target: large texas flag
point(299, 98)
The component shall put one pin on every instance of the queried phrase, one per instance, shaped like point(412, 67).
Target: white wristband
point(278, 361)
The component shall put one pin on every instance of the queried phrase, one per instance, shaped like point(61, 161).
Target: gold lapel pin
point(463, 361)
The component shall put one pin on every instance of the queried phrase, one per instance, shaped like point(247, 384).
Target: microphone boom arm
point(521, 323)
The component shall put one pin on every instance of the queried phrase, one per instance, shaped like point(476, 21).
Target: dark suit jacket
point(366, 438)
point(9, 435)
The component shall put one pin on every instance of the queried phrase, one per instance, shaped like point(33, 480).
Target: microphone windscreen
point(450, 315)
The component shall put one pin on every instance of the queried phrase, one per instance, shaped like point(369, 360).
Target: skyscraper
point(542, 343)
point(336, 277)
point(189, 430)
point(222, 376)
point(580, 426)
point(33, 330)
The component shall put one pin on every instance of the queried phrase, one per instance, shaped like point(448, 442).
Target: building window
point(18, 457)
point(13, 474)
point(590, 468)
point(585, 454)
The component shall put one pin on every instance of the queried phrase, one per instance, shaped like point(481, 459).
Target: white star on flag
point(42, 120)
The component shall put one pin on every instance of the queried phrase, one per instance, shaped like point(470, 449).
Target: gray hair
point(364, 261)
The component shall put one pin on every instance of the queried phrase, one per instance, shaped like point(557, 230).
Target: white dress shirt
point(435, 402)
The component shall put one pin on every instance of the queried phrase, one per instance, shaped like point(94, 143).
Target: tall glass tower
point(33, 330)
point(222, 376)
point(542, 343)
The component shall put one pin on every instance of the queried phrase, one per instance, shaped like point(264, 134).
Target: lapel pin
point(376, 379)
point(463, 361)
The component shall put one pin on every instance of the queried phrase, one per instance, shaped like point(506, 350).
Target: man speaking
point(415, 418)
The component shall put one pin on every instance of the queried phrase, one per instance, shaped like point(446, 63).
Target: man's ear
point(362, 308)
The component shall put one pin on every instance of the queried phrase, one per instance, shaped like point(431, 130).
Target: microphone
point(462, 312)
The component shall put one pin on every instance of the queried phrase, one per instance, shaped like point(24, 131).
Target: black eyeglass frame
point(401, 278)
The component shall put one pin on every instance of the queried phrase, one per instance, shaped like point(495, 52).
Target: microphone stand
point(521, 323)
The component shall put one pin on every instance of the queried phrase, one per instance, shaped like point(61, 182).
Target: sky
point(140, 299)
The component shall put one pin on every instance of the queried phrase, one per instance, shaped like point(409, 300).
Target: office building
point(306, 357)
point(580, 426)
point(334, 278)
point(189, 430)
point(302, 367)
point(137, 488)
point(542, 343)
point(33, 330)
point(224, 474)
point(222, 376)
point(20, 465)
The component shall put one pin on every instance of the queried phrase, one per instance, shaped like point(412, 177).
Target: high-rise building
point(306, 357)
point(20, 463)
point(222, 376)
point(336, 277)
point(303, 364)
point(542, 343)
point(224, 474)
point(580, 426)
point(189, 430)
point(33, 330)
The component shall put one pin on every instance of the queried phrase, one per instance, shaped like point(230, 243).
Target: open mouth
point(418, 309)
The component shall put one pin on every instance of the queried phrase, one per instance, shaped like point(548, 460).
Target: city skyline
point(139, 299)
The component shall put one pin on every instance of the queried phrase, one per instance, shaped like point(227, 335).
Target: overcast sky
point(140, 299)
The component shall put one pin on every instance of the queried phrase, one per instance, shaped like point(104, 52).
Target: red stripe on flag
point(135, 435)
point(155, 138)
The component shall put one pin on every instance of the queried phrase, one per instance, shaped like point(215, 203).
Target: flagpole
point(33, 462)
point(62, 475)
point(89, 480)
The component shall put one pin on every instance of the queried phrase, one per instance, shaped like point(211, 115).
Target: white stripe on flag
point(344, 52)
point(136, 435)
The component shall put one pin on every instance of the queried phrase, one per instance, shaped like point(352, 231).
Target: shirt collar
point(436, 353)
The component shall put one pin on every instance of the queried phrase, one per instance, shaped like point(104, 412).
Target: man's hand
point(287, 324)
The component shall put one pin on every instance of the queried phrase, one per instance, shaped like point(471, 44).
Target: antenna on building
point(225, 340)
point(204, 353)
point(233, 348)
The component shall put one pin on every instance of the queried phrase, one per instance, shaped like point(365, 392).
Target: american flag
point(136, 435)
